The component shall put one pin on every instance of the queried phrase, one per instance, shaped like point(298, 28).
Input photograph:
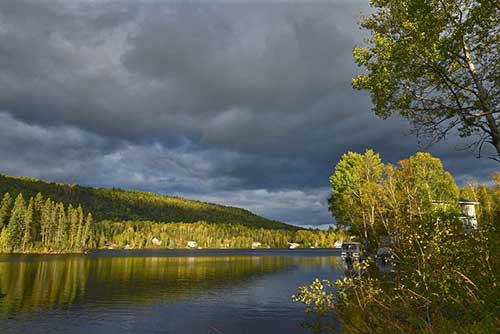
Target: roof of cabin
point(467, 201)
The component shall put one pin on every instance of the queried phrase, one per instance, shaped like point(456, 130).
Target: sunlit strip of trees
point(140, 234)
point(39, 225)
point(42, 225)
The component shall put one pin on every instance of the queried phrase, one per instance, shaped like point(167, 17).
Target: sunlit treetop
point(436, 63)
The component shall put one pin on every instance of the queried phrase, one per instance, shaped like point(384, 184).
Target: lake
point(164, 291)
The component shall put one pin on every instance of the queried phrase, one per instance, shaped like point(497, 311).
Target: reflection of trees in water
point(56, 283)
point(30, 285)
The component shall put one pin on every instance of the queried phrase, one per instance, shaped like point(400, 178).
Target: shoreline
point(175, 251)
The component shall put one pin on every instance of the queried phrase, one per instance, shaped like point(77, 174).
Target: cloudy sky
point(239, 104)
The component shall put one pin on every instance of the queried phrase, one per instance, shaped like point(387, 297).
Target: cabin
point(192, 244)
point(256, 244)
point(156, 242)
point(468, 216)
point(293, 245)
point(110, 244)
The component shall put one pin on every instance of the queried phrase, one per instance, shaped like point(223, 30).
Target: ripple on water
point(149, 292)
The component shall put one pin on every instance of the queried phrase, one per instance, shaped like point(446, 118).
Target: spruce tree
point(87, 235)
point(80, 230)
point(61, 232)
point(16, 223)
point(5, 210)
point(28, 237)
point(45, 222)
point(4, 241)
point(53, 224)
point(37, 215)
point(73, 226)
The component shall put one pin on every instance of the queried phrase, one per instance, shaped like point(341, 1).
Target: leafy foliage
point(140, 234)
point(442, 278)
point(367, 195)
point(356, 191)
point(436, 63)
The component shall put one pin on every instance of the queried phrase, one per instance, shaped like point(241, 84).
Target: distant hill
point(121, 205)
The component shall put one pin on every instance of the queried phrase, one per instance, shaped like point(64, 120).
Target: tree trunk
point(495, 132)
point(484, 100)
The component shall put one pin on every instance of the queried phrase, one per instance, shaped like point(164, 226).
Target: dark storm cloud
point(63, 153)
point(242, 104)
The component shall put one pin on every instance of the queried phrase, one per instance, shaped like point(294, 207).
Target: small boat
point(351, 251)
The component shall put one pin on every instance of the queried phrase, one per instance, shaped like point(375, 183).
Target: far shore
point(173, 251)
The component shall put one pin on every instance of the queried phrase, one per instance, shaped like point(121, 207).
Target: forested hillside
point(124, 205)
point(43, 217)
point(41, 225)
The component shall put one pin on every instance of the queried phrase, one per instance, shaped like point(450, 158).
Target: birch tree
point(436, 63)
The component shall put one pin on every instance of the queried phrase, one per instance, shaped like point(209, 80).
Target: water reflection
point(38, 283)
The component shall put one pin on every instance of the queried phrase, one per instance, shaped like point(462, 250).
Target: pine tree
point(87, 234)
point(53, 225)
point(80, 229)
point(28, 237)
point(39, 202)
point(45, 222)
point(16, 223)
point(62, 224)
point(73, 226)
point(37, 215)
point(4, 241)
point(5, 210)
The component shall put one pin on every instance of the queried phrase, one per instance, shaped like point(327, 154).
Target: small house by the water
point(468, 216)
point(192, 244)
point(156, 242)
point(256, 244)
point(109, 244)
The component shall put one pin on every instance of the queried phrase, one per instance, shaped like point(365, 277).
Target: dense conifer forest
point(123, 205)
point(42, 225)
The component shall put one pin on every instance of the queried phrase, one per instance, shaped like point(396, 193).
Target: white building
point(156, 242)
point(256, 244)
point(468, 216)
point(468, 208)
point(192, 244)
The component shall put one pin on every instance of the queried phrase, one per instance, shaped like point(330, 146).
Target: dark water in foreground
point(203, 291)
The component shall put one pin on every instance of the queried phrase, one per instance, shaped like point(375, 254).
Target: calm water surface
point(203, 291)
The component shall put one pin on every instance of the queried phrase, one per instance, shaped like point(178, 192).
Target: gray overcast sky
point(240, 104)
